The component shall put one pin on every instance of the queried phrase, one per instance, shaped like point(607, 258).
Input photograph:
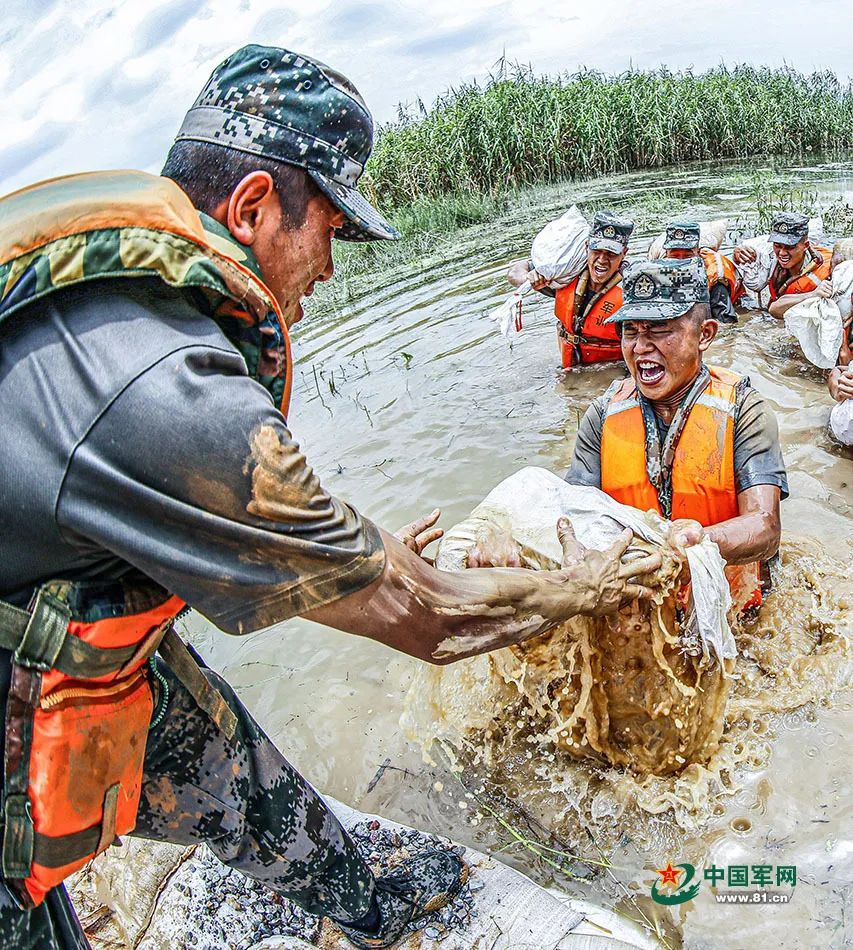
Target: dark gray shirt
point(758, 455)
point(134, 440)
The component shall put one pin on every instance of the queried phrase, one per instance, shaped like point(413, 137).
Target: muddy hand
point(744, 255)
point(495, 549)
point(421, 533)
point(824, 289)
point(602, 572)
point(683, 533)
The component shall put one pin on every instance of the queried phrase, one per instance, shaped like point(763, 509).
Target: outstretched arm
point(778, 308)
point(442, 616)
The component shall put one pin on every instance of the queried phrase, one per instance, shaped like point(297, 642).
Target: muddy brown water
point(407, 398)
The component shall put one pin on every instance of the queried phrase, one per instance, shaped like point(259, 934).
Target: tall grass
point(520, 129)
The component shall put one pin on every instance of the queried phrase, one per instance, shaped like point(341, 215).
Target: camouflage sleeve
point(586, 461)
point(193, 477)
point(758, 455)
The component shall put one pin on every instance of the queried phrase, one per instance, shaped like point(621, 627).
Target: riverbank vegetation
point(485, 151)
point(520, 129)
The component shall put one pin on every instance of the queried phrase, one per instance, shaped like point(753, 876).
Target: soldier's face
point(681, 253)
point(293, 261)
point(791, 257)
point(665, 356)
point(603, 265)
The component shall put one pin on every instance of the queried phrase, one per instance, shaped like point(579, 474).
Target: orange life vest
point(703, 473)
point(721, 270)
point(80, 699)
point(818, 269)
point(585, 337)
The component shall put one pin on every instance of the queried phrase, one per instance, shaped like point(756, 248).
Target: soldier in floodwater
point(694, 442)
point(583, 307)
point(801, 271)
point(147, 464)
point(682, 242)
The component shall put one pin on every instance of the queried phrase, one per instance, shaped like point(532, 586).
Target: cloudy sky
point(105, 84)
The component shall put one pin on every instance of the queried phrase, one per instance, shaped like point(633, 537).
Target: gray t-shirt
point(758, 455)
point(134, 440)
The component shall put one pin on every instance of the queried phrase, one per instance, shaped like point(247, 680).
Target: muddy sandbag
point(842, 250)
point(559, 254)
point(643, 689)
point(711, 236)
point(818, 323)
point(841, 422)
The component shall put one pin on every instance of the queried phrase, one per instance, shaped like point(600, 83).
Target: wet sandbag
point(818, 323)
point(756, 274)
point(643, 689)
point(841, 422)
point(711, 237)
point(559, 254)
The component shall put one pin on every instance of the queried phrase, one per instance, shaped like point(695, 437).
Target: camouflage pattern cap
point(789, 228)
point(285, 106)
point(661, 290)
point(682, 236)
point(610, 233)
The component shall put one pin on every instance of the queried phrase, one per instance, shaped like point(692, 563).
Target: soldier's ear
point(707, 332)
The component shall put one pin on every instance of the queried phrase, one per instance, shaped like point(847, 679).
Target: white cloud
point(98, 85)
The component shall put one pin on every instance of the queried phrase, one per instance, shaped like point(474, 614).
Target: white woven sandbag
point(818, 324)
point(559, 254)
point(756, 274)
point(711, 236)
point(528, 505)
point(841, 422)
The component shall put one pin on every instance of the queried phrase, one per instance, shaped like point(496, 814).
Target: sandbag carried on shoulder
point(559, 254)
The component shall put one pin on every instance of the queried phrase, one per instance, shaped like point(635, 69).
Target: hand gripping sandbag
point(755, 274)
point(818, 324)
point(530, 502)
point(558, 254)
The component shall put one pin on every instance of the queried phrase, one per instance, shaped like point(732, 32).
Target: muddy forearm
point(778, 308)
point(754, 535)
point(440, 616)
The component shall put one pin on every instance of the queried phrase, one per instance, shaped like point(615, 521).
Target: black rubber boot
point(418, 887)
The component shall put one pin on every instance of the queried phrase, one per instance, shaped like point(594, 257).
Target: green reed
point(519, 129)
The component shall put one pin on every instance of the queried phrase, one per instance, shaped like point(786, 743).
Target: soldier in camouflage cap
point(662, 290)
point(164, 303)
point(285, 106)
point(610, 232)
point(789, 228)
point(689, 440)
point(801, 270)
point(681, 235)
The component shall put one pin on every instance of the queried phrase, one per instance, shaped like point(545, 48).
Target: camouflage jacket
point(129, 224)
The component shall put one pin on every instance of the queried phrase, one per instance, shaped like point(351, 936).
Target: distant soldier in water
point(584, 306)
point(682, 242)
point(801, 270)
point(694, 442)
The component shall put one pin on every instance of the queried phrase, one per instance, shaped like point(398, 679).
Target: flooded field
point(407, 398)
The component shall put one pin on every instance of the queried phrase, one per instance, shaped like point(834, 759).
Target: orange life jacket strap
point(39, 640)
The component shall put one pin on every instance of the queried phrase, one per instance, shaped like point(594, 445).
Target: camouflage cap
point(610, 233)
point(789, 228)
point(681, 236)
point(285, 106)
point(661, 290)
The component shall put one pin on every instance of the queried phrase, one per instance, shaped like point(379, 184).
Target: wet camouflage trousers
point(257, 815)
